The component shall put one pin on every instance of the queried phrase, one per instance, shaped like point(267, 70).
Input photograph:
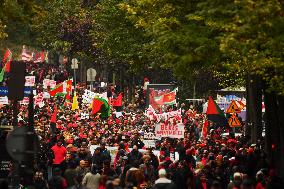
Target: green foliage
point(255, 41)
point(16, 20)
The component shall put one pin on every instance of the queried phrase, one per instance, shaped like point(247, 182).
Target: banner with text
point(30, 81)
point(169, 130)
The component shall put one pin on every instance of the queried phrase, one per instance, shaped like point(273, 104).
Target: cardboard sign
point(88, 96)
point(25, 101)
point(38, 100)
point(48, 83)
point(169, 130)
point(149, 143)
point(4, 100)
point(149, 136)
point(85, 115)
point(30, 81)
point(46, 95)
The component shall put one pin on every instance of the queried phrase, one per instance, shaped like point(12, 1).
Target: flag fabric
point(205, 129)
point(117, 101)
point(7, 60)
point(75, 105)
point(39, 57)
point(214, 113)
point(170, 98)
point(46, 57)
point(67, 88)
point(54, 115)
point(6, 64)
point(53, 120)
point(57, 89)
point(62, 89)
point(101, 106)
point(159, 100)
point(26, 56)
point(2, 74)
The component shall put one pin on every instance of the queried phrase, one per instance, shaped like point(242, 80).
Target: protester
point(92, 179)
point(118, 150)
point(163, 182)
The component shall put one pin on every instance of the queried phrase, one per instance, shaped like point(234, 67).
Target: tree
point(16, 20)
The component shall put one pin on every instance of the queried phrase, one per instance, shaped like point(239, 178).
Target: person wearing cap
point(163, 182)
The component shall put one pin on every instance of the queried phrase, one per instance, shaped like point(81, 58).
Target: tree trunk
point(280, 103)
point(274, 131)
point(254, 107)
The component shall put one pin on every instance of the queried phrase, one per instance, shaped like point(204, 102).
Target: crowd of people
point(65, 159)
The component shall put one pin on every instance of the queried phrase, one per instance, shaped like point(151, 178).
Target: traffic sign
point(233, 108)
point(74, 64)
point(91, 74)
point(234, 121)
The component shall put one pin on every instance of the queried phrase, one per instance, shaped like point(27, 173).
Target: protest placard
point(4, 100)
point(169, 130)
point(30, 81)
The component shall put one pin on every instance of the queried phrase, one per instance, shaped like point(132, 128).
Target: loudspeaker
point(16, 80)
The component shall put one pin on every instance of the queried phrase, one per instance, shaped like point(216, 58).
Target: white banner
point(149, 136)
point(48, 83)
point(25, 101)
point(30, 81)
point(46, 95)
point(38, 100)
point(85, 115)
point(169, 130)
point(150, 113)
point(149, 143)
point(4, 100)
point(88, 96)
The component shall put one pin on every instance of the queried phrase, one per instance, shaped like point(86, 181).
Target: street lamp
point(74, 67)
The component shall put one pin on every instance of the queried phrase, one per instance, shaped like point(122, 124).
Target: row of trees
point(206, 44)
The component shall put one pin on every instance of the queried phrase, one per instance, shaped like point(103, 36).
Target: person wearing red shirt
point(59, 152)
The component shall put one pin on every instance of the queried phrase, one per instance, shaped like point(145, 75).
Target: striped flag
point(6, 64)
point(39, 57)
point(25, 55)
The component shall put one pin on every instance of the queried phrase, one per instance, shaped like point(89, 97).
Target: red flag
point(53, 117)
point(214, 113)
point(205, 129)
point(117, 101)
point(39, 57)
point(97, 103)
point(58, 89)
point(170, 98)
point(6, 60)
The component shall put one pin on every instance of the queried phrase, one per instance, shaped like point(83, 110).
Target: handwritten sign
point(4, 100)
point(30, 81)
point(49, 83)
point(169, 130)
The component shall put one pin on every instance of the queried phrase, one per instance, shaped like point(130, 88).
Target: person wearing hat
point(163, 182)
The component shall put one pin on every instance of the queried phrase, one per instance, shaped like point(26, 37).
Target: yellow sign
point(233, 108)
point(234, 121)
